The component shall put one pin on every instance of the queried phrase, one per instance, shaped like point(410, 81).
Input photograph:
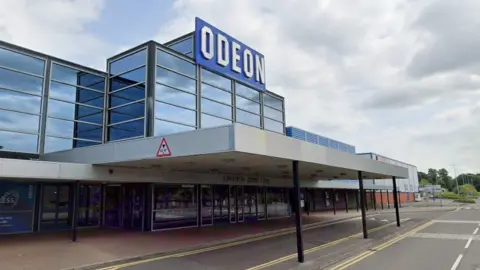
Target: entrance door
point(56, 207)
point(250, 199)
point(90, 199)
point(113, 206)
point(221, 212)
point(237, 204)
point(206, 203)
point(133, 205)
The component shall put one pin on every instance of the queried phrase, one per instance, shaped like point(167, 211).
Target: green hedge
point(453, 196)
point(464, 200)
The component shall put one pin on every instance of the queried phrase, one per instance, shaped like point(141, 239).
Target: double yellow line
point(317, 248)
point(222, 246)
point(356, 259)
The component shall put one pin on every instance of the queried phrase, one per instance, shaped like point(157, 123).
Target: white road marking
point(468, 242)
point(457, 262)
point(446, 236)
point(476, 230)
point(456, 221)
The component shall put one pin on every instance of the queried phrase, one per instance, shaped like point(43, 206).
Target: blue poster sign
point(218, 51)
point(17, 202)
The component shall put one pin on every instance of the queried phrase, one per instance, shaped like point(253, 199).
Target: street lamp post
point(456, 180)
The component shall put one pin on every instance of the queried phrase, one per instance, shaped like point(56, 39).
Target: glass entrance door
point(56, 207)
point(237, 204)
point(206, 198)
point(221, 204)
point(250, 203)
point(113, 206)
point(133, 206)
point(90, 200)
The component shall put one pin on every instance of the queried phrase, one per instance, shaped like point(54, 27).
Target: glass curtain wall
point(175, 206)
point(247, 102)
point(21, 89)
point(175, 94)
point(277, 202)
point(184, 46)
point(216, 100)
point(273, 112)
point(75, 109)
point(127, 91)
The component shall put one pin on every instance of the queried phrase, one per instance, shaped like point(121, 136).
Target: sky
point(400, 78)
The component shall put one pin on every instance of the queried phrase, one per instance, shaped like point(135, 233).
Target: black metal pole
point(381, 198)
point(362, 205)
point(346, 201)
point(388, 200)
point(399, 199)
point(356, 199)
point(298, 213)
point(365, 198)
point(75, 210)
point(334, 203)
point(374, 199)
point(395, 200)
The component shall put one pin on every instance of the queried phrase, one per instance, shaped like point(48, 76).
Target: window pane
point(273, 125)
point(12, 141)
point(92, 117)
point(247, 104)
point(80, 143)
point(127, 112)
point(216, 94)
point(19, 121)
point(126, 130)
point(175, 206)
point(127, 79)
point(184, 46)
point(74, 76)
point(21, 62)
point(248, 118)
point(177, 64)
point(272, 113)
point(211, 121)
point(18, 101)
point(273, 102)
point(73, 129)
point(215, 108)
point(164, 128)
point(92, 81)
point(70, 111)
point(217, 80)
point(127, 95)
point(69, 93)
point(176, 80)
point(174, 96)
point(57, 144)
point(19, 81)
point(247, 92)
point(176, 114)
point(129, 62)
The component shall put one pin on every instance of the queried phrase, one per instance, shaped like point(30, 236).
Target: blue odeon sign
point(218, 51)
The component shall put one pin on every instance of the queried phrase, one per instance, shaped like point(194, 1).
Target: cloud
point(375, 74)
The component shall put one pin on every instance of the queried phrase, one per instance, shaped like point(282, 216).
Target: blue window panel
point(128, 62)
point(165, 128)
point(215, 108)
point(248, 118)
point(208, 121)
point(216, 94)
point(176, 114)
point(19, 121)
point(323, 141)
point(127, 95)
point(216, 80)
point(92, 81)
point(80, 143)
point(273, 126)
point(312, 138)
point(297, 133)
point(184, 46)
point(333, 144)
point(176, 97)
point(175, 80)
point(176, 64)
point(126, 130)
point(12, 141)
point(127, 79)
point(18, 81)
point(128, 112)
point(21, 62)
point(20, 102)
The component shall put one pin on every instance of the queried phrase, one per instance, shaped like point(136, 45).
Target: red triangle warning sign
point(163, 149)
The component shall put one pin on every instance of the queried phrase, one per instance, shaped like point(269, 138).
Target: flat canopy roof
point(234, 149)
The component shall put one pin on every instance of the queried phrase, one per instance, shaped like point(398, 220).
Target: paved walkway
point(55, 251)
point(51, 251)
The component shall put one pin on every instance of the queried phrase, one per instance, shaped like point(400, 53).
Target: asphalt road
point(452, 241)
point(323, 246)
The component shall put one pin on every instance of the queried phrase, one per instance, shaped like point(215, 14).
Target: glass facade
point(75, 108)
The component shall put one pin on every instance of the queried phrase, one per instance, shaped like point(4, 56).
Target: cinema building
point(171, 135)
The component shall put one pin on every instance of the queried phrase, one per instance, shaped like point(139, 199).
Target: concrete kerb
point(211, 244)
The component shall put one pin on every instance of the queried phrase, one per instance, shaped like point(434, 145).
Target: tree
point(422, 175)
point(432, 175)
point(424, 182)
